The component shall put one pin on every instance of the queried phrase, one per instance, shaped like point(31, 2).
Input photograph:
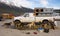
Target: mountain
point(57, 10)
point(4, 8)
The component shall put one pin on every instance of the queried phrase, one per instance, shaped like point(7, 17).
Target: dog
point(7, 24)
point(31, 24)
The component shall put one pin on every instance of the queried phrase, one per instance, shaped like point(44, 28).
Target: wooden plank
point(57, 19)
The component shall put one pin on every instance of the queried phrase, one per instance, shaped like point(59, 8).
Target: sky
point(34, 3)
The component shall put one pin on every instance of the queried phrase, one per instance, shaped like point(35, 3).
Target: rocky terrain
point(11, 31)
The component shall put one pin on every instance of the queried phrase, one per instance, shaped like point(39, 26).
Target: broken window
point(41, 10)
point(37, 10)
point(36, 14)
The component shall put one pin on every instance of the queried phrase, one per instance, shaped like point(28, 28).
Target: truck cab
point(43, 15)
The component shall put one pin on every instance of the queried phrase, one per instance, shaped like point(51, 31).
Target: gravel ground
point(14, 32)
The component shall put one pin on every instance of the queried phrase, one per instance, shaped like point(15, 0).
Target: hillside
point(13, 9)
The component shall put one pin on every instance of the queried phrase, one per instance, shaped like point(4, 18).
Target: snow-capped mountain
point(5, 8)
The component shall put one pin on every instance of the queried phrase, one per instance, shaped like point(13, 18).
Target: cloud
point(19, 3)
point(31, 4)
point(24, 3)
point(44, 2)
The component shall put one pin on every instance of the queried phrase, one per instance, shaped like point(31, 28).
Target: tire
point(17, 24)
point(48, 23)
point(45, 21)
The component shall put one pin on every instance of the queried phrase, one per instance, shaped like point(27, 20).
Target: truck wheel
point(17, 24)
point(45, 21)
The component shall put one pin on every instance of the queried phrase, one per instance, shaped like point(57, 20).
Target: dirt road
point(14, 32)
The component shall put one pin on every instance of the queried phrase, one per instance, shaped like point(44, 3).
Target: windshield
point(26, 15)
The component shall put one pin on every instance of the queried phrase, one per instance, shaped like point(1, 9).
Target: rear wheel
point(46, 23)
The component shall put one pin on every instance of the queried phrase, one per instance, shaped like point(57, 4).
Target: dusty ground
point(14, 32)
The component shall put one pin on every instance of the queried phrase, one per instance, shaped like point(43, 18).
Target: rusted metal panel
point(57, 19)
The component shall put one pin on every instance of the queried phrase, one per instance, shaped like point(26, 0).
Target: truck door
point(26, 17)
point(31, 17)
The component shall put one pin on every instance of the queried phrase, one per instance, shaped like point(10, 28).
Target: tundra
point(29, 17)
point(40, 16)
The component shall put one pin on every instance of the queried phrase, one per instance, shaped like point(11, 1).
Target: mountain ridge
point(4, 8)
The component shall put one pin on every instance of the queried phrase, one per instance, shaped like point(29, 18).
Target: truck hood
point(18, 17)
